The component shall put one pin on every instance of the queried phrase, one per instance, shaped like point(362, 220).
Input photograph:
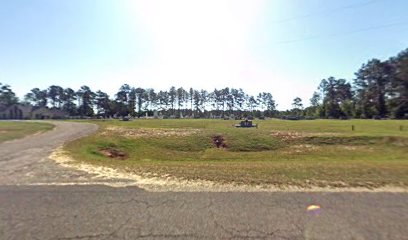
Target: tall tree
point(225, 92)
point(297, 106)
point(252, 103)
point(315, 100)
point(146, 100)
point(172, 98)
point(37, 97)
point(297, 103)
point(230, 100)
point(240, 98)
point(197, 101)
point(132, 101)
point(371, 81)
point(140, 95)
point(398, 88)
point(181, 97)
point(7, 96)
point(55, 93)
point(86, 98)
point(103, 104)
point(334, 92)
point(315, 109)
point(217, 99)
point(270, 104)
point(204, 99)
point(151, 100)
point(163, 100)
point(261, 102)
point(122, 97)
point(191, 97)
point(68, 98)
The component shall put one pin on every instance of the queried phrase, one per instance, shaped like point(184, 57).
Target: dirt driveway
point(25, 161)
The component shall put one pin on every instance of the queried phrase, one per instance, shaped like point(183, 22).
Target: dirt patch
point(396, 141)
point(166, 183)
point(291, 135)
point(350, 148)
point(301, 148)
point(113, 153)
point(287, 136)
point(149, 132)
point(219, 141)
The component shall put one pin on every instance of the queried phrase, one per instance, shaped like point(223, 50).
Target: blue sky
point(281, 46)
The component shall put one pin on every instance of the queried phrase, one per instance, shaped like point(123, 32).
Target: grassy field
point(14, 130)
point(282, 153)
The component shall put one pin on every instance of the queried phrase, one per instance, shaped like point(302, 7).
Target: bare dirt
point(219, 141)
point(292, 135)
point(152, 183)
point(113, 153)
point(301, 148)
point(149, 132)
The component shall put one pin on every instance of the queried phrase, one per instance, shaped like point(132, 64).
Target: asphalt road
point(44, 211)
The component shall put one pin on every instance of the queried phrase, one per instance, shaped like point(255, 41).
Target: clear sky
point(281, 46)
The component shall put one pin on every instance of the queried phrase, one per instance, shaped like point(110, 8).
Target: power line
point(328, 11)
point(344, 33)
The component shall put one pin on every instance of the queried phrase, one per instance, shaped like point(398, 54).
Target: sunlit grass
point(14, 130)
point(303, 153)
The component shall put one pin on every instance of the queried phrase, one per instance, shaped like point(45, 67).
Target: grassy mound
point(302, 153)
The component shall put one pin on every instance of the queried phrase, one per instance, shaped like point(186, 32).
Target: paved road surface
point(101, 212)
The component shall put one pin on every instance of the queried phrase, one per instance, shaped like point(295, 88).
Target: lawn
point(14, 130)
point(281, 153)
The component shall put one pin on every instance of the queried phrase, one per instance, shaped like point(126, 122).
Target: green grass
point(301, 153)
point(14, 130)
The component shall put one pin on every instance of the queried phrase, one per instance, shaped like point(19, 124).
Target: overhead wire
point(328, 11)
point(334, 10)
point(344, 33)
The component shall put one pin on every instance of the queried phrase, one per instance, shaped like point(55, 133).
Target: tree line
point(379, 90)
point(137, 102)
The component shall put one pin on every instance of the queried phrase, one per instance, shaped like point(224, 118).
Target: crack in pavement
point(98, 235)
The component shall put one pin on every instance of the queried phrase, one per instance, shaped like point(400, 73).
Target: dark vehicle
point(126, 119)
point(246, 124)
point(292, 118)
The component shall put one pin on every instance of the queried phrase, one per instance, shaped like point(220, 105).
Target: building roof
point(36, 108)
point(27, 108)
point(57, 111)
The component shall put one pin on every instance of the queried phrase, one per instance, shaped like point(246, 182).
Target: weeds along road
point(34, 205)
